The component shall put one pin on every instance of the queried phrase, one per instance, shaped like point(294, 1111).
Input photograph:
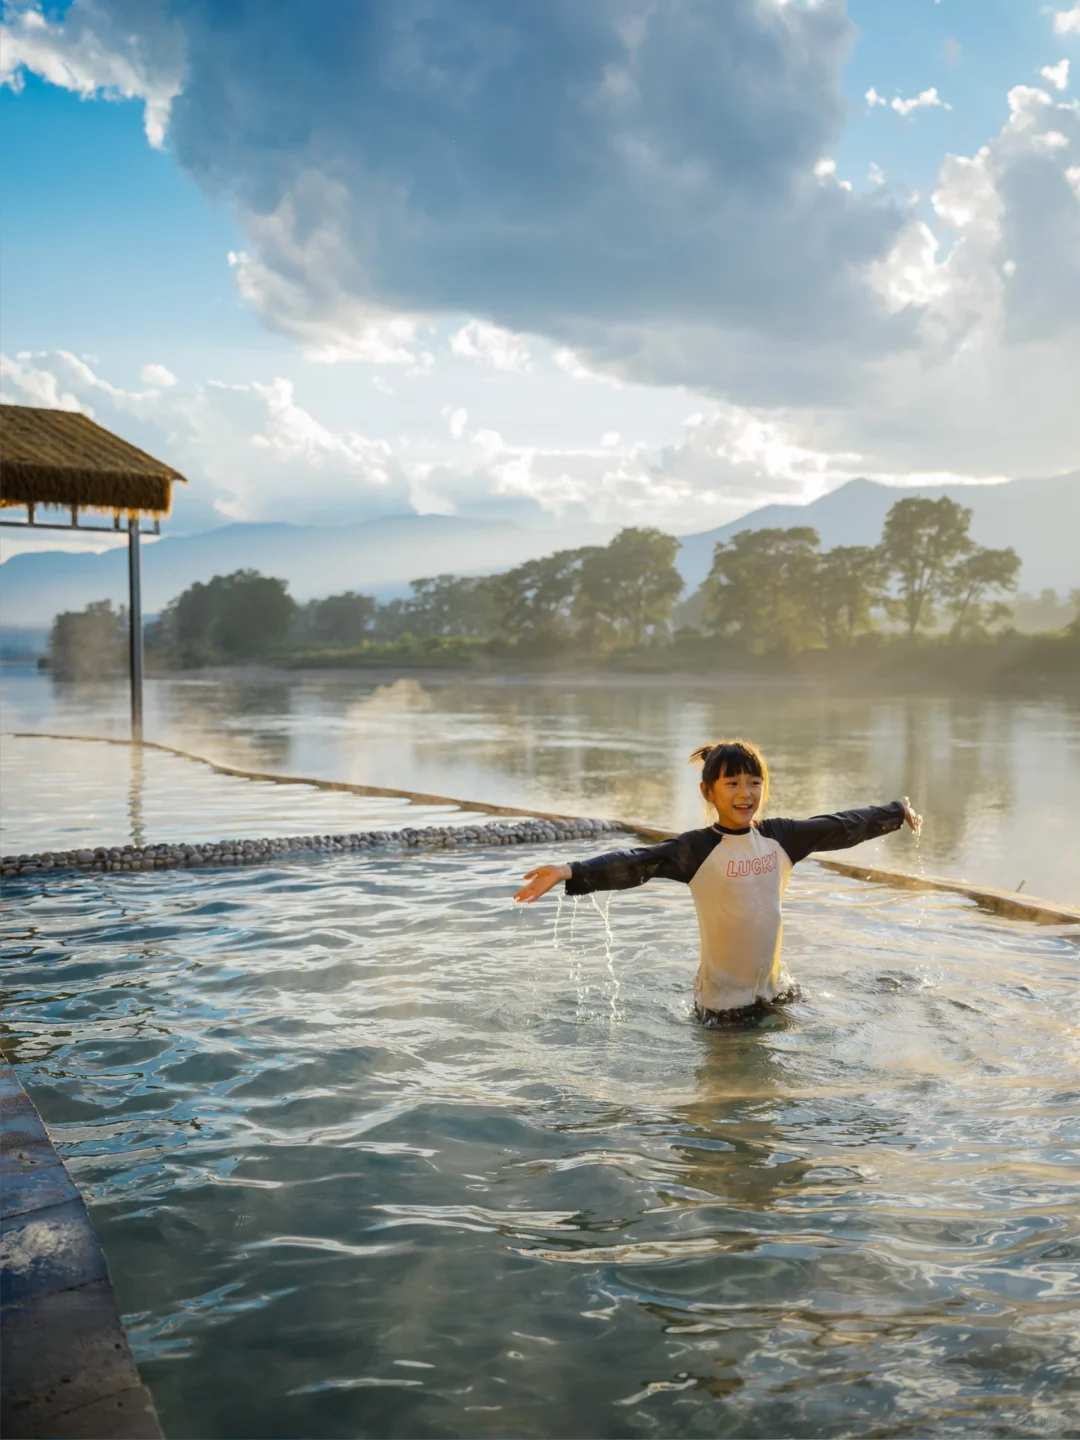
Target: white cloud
point(159, 376)
point(571, 363)
point(875, 175)
point(1067, 22)
point(457, 417)
point(329, 325)
point(825, 171)
point(253, 452)
point(910, 274)
point(1057, 75)
point(92, 55)
point(987, 387)
point(249, 450)
point(502, 349)
point(925, 100)
point(22, 383)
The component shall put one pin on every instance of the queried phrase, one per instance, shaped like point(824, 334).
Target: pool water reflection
point(373, 1153)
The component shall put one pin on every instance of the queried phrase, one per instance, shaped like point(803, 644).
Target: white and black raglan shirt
point(737, 879)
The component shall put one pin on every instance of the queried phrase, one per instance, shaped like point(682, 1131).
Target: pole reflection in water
point(136, 795)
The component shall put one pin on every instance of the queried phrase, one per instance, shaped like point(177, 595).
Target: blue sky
point(547, 261)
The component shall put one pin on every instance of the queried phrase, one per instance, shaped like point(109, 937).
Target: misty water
point(997, 778)
point(372, 1152)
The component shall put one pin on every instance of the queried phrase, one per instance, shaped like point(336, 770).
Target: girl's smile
point(736, 799)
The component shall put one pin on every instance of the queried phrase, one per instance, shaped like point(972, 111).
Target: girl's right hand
point(541, 880)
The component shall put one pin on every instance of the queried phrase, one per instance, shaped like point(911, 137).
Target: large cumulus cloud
point(994, 281)
point(557, 167)
point(640, 183)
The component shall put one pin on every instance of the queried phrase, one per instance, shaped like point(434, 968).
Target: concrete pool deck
point(66, 1368)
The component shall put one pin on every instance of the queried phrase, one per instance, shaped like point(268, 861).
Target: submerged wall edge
point(66, 1367)
point(1001, 902)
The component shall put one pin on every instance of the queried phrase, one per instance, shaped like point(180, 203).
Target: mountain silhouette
point(1040, 518)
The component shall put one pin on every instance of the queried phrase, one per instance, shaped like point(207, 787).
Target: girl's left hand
point(911, 817)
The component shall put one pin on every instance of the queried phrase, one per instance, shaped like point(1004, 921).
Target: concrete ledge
point(65, 1364)
point(999, 902)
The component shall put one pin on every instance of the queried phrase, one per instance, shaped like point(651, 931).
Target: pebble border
point(253, 852)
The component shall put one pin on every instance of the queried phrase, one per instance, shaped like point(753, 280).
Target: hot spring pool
point(373, 1153)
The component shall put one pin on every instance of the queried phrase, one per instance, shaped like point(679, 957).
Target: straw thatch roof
point(58, 457)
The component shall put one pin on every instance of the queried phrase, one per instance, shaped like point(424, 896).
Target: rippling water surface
point(373, 1153)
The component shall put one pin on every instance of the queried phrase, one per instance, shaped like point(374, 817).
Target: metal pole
point(135, 635)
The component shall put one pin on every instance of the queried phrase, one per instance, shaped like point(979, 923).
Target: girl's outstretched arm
point(675, 859)
point(841, 830)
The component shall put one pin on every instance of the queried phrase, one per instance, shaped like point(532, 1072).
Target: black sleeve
point(676, 859)
point(833, 832)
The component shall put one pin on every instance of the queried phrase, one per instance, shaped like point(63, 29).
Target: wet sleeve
point(833, 832)
point(623, 869)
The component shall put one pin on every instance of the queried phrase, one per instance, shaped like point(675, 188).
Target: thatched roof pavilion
point(59, 457)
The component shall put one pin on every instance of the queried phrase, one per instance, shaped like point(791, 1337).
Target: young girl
point(737, 870)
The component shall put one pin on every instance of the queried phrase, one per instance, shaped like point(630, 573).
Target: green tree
point(921, 546)
point(393, 620)
point(972, 582)
point(626, 589)
point(336, 620)
point(84, 644)
point(848, 585)
point(761, 589)
point(532, 603)
point(450, 605)
point(241, 616)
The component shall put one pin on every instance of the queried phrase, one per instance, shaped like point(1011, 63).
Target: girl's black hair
point(732, 757)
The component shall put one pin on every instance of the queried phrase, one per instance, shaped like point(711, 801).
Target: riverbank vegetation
point(925, 603)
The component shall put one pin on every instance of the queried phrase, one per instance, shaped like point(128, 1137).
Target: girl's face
point(737, 799)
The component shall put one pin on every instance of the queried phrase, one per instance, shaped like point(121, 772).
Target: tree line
point(766, 590)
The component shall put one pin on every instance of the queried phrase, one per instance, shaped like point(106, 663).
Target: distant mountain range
point(1040, 518)
point(378, 557)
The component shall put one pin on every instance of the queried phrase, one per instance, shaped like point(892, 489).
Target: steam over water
point(372, 1153)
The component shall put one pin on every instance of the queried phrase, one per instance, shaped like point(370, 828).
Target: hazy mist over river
point(997, 779)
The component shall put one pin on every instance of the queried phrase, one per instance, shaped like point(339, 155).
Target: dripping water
point(604, 911)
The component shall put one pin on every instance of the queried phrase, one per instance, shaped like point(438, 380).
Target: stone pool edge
point(182, 855)
point(66, 1368)
point(1011, 904)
